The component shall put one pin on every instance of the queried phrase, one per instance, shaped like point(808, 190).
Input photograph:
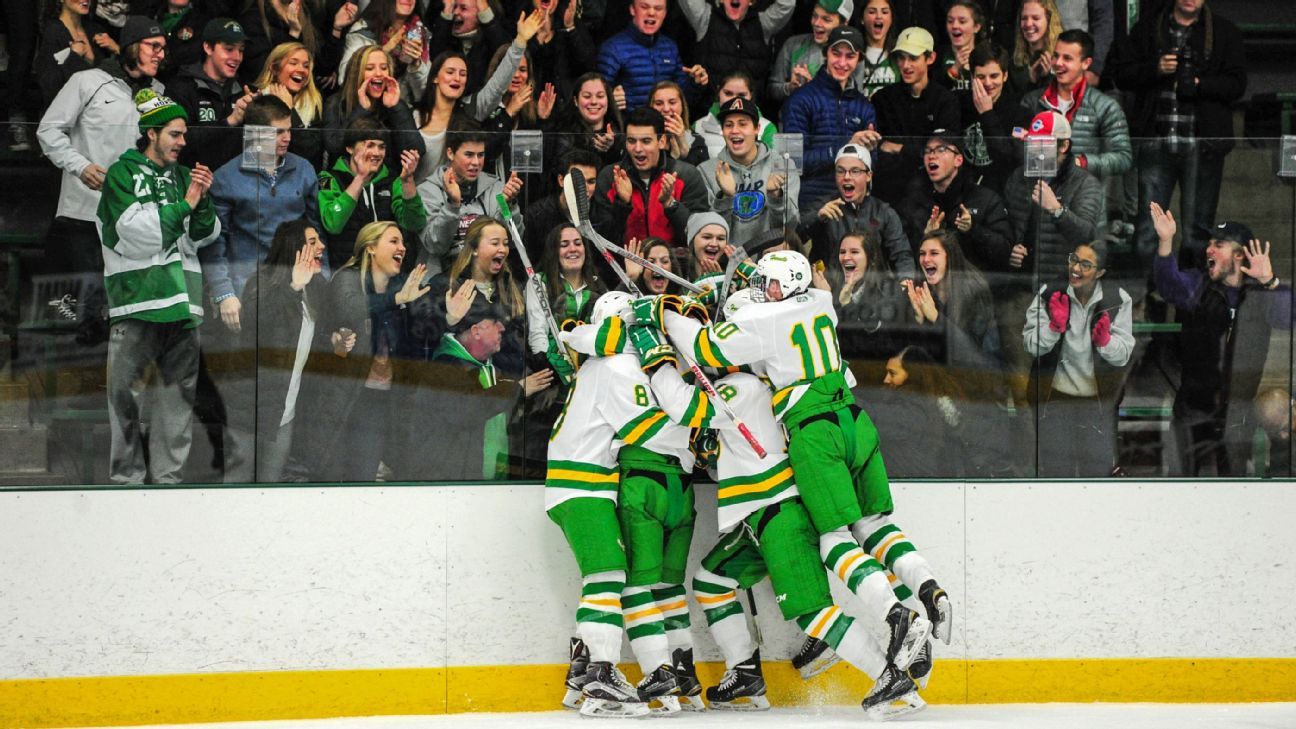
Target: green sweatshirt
point(150, 241)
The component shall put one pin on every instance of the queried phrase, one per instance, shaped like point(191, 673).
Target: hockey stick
point(731, 267)
point(532, 278)
point(578, 206)
point(580, 218)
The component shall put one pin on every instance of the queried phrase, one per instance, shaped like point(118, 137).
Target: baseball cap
point(1049, 124)
point(1231, 231)
point(223, 30)
point(856, 151)
point(947, 138)
point(844, 8)
point(137, 28)
point(914, 41)
point(739, 105)
point(847, 34)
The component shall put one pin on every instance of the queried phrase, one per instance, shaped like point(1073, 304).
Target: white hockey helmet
point(736, 301)
point(790, 268)
point(613, 303)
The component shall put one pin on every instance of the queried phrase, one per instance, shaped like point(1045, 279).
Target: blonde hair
point(362, 252)
point(509, 294)
point(307, 103)
point(1021, 51)
point(354, 70)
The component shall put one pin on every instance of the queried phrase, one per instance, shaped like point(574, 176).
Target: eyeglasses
point(939, 150)
point(156, 46)
point(853, 171)
point(1086, 266)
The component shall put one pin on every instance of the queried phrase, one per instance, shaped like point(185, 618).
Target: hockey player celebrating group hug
point(760, 398)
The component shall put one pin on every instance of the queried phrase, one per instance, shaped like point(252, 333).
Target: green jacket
point(381, 199)
point(150, 240)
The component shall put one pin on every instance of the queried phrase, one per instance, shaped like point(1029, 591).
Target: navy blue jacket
point(637, 62)
point(826, 115)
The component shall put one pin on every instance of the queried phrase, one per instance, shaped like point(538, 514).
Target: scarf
point(1050, 98)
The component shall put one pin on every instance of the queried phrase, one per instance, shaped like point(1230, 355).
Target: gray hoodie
point(443, 235)
point(752, 212)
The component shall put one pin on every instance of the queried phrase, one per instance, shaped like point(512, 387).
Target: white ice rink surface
point(998, 716)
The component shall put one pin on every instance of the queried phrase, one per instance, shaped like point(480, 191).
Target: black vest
point(1110, 379)
point(728, 48)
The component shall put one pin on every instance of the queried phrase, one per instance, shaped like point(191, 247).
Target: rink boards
point(222, 604)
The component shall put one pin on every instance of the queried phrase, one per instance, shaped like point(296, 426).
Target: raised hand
point(604, 140)
point(1044, 197)
point(800, 76)
point(528, 25)
point(391, 92)
point(305, 266)
point(519, 100)
point(621, 182)
point(345, 16)
point(537, 381)
point(964, 220)
point(927, 303)
point(935, 221)
point(725, 178)
point(409, 163)
point(667, 188)
point(774, 185)
point(459, 301)
point(279, 91)
point(832, 210)
point(544, 107)
point(513, 186)
point(1059, 311)
point(697, 73)
point(413, 287)
point(1258, 265)
point(1163, 223)
point(980, 97)
point(633, 269)
point(915, 299)
point(451, 183)
point(619, 97)
point(1101, 333)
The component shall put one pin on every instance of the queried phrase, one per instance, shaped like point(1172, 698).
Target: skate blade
point(664, 705)
point(573, 699)
point(692, 703)
point(818, 666)
point(943, 622)
point(919, 632)
point(745, 703)
point(604, 709)
point(910, 703)
point(921, 682)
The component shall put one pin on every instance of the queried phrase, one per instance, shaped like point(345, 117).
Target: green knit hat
point(156, 110)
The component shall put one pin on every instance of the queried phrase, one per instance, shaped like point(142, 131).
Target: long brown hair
point(551, 266)
point(506, 289)
point(530, 111)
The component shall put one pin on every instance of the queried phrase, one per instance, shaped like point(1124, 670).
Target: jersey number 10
point(820, 355)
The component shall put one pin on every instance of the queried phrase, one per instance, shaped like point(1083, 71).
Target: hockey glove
point(695, 309)
point(651, 310)
point(654, 350)
point(742, 275)
point(561, 367)
point(1059, 309)
point(705, 445)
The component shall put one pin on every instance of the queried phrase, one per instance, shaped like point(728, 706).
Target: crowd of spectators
point(298, 209)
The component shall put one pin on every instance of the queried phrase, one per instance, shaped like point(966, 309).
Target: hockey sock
point(718, 597)
point(904, 594)
point(888, 545)
point(861, 573)
point(598, 619)
point(673, 604)
point(645, 627)
point(846, 637)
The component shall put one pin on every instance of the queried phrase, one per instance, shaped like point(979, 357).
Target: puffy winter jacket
point(1079, 192)
point(637, 62)
point(871, 214)
point(826, 115)
point(989, 241)
point(1099, 132)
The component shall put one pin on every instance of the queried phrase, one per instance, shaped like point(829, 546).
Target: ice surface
point(996, 716)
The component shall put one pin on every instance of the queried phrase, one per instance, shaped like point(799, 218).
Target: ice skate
point(939, 610)
point(608, 693)
point(576, 674)
point(741, 689)
point(661, 690)
point(814, 658)
point(909, 631)
point(894, 695)
point(690, 688)
point(920, 669)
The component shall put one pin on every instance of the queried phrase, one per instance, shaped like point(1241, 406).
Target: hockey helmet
point(790, 268)
point(736, 301)
point(613, 303)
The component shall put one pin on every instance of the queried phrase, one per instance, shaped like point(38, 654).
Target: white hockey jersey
point(795, 341)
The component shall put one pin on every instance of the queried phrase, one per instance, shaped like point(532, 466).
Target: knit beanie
point(156, 110)
point(698, 221)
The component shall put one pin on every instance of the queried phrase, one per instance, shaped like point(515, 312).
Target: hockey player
point(612, 442)
point(833, 446)
point(765, 531)
point(655, 505)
